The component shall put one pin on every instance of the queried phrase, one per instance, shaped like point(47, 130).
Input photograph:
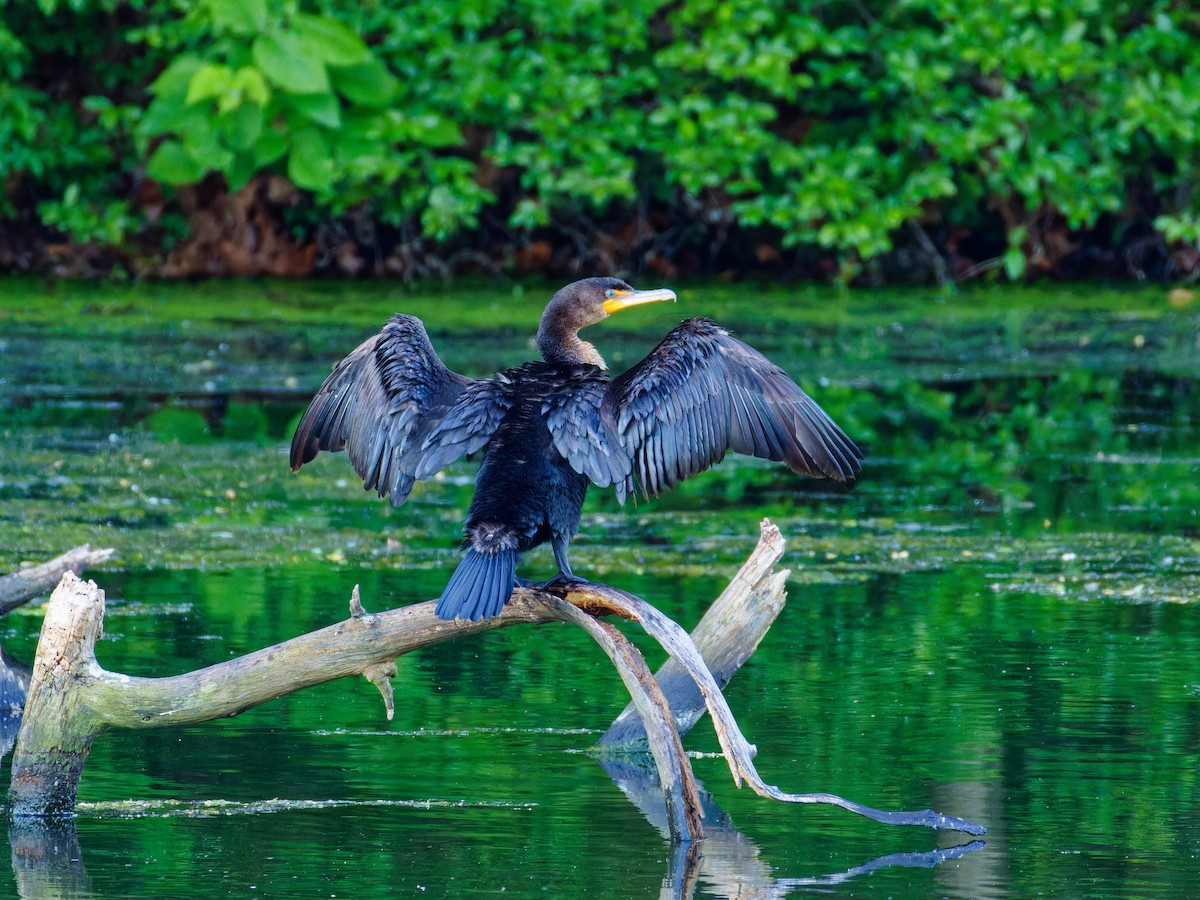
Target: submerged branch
point(23, 585)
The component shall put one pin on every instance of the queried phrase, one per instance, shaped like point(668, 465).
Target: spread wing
point(701, 393)
point(401, 415)
point(589, 443)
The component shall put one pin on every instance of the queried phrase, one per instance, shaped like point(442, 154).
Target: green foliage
point(831, 129)
point(266, 93)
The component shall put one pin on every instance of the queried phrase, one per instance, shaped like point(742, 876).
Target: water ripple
point(200, 809)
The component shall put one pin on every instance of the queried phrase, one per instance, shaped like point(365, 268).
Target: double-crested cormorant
point(551, 427)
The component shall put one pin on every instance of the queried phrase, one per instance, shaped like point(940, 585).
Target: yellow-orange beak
point(622, 299)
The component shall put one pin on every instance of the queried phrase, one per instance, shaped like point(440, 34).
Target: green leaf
point(240, 171)
point(336, 43)
point(435, 131)
point(169, 114)
point(529, 214)
point(284, 59)
point(250, 82)
point(368, 84)
point(208, 81)
point(309, 165)
point(1014, 263)
point(172, 164)
point(243, 126)
point(206, 146)
point(354, 148)
point(177, 77)
point(323, 109)
point(238, 16)
point(271, 145)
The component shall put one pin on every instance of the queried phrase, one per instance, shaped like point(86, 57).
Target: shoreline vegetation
point(922, 142)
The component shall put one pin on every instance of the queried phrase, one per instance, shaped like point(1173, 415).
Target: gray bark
point(25, 584)
point(72, 699)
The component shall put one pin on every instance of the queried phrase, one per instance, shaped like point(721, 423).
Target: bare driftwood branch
point(737, 750)
point(728, 633)
point(674, 771)
point(72, 699)
point(25, 584)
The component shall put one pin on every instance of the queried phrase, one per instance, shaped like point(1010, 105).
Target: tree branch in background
point(23, 585)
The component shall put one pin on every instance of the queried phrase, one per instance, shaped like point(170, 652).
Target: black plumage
point(551, 428)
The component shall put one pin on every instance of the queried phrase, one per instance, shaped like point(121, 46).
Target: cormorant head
point(584, 303)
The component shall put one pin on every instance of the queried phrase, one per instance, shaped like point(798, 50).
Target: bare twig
point(980, 267)
point(940, 271)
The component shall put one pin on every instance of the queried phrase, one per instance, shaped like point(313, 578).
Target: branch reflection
point(727, 861)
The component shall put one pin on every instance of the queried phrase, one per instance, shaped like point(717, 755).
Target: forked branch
point(737, 750)
point(72, 699)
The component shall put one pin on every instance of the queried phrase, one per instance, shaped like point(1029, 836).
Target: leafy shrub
point(837, 131)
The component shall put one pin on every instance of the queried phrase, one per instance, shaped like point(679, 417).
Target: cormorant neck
point(562, 344)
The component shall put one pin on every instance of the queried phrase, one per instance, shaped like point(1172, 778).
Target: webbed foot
point(563, 581)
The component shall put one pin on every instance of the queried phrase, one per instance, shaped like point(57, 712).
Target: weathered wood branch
point(25, 584)
point(738, 752)
point(726, 636)
point(681, 795)
point(72, 699)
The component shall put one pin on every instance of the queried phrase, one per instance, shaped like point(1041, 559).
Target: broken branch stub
point(379, 674)
point(58, 726)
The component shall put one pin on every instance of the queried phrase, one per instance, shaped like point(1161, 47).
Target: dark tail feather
point(480, 586)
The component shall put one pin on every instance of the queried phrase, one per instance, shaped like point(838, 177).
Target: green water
point(998, 621)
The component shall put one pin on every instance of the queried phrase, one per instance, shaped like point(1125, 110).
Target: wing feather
point(400, 414)
point(580, 433)
point(702, 393)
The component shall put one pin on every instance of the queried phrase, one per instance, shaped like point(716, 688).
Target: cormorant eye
point(610, 293)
